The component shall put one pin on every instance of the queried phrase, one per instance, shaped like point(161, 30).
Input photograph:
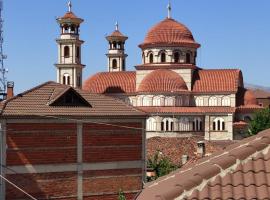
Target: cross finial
point(69, 6)
point(116, 26)
point(169, 10)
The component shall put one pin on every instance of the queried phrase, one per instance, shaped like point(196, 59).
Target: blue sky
point(232, 34)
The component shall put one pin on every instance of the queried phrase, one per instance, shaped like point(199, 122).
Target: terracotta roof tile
point(35, 102)
point(111, 82)
point(169, 32)
point(217, 80)
point(69, 15)
point(242, 172)
point(162, 80)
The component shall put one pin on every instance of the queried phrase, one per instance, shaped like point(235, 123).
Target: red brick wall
point(32, 143)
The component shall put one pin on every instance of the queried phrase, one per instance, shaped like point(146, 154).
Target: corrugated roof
point(241, 171)
point(35, 102)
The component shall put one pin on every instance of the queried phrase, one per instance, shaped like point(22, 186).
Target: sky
point(232, 34)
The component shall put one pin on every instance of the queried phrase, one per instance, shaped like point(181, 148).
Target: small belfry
point(116, 54)
point(69, 66)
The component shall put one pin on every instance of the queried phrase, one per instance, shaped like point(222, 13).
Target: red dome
point(162, 80)
point(249, 98)
point(169, 32)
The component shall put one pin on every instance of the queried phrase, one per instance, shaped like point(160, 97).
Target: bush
point(121, 195)
point(260, 122)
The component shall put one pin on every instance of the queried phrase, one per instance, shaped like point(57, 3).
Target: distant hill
point(252, 86)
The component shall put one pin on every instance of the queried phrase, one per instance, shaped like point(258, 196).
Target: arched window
point(66, 79)
point(78, 53)
point(187, 57)
point(114, 45)
point(163, 57)
point(176, 56)
point(197, 124)
point(114, 63)
point(151, 124)
point(151, 58)
point(72, 29)
point(213, 101)
point(179, 101)
point(167, 124)
point(184, 124)
point(226, 101)
point(169, 101)
point(199, 101)
point(157, 100)
point(66, 51)
point(147, 101)
point(143, 58)
point(219, 124)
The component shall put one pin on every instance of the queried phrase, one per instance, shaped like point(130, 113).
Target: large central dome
point(169, 32)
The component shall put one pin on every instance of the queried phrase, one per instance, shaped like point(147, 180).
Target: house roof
point(241, 171)
point(39, 101)
point(261, 94)
point(217, 80)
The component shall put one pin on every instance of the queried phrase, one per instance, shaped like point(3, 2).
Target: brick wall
point(47, 145)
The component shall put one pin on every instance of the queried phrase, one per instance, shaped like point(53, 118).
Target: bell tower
point(116, 54)
point(69, 67)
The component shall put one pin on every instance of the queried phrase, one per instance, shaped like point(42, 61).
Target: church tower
point(69, 67)
point(116, 55)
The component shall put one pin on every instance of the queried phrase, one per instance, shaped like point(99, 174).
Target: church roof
point(162, 80)
point(217, 80)
point(241, 171)
point(169, 32)
point(111, 82)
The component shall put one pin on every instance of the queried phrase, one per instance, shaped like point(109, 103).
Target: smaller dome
point(162, 80)
point(249, 98)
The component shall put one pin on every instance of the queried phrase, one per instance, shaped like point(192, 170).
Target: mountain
point(253, 86)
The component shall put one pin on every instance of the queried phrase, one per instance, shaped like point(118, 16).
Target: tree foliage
point(161, 165)
point(121, 195)
point(260, 122)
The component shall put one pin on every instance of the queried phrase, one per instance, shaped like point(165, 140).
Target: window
point(226, 101)
point(66, 79)
point(114, 63)
point(114, 45)
point(188, 58)
point(169, 101)
point(184, 124)
point(151, 58)
point(157, 101)
point(72, 29)
point(66, 51)
point(199, 101)
point(147, 101)
point(143, 58)
point(163, 57)
point(78, 52)
point(176, 57)
point(124, 64)
point(179, 101)
point(79, 81)
point(167, 124)
point(65, 29)
point(218, 124)
point(213, 101)
point(197, 124)
point(151, 124)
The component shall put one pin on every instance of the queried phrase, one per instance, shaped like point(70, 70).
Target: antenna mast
point(3, 70)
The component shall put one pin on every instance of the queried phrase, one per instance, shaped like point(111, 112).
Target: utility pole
point(3, 70)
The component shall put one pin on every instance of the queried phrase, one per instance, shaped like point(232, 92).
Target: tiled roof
point(261, 94)
point(195, 110)
point(169, 32)
point(111, 82)
point(248, 108)
point(153, 66)
point(241, 171)
point(240, 124)
point(162, 80)
point(217, 80)
point(69, 15)
point(36, 102)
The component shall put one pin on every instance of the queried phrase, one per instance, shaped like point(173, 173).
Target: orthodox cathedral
point(180, 98)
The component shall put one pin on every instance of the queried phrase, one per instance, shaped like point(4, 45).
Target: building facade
point(181, 98)
point(58, 142)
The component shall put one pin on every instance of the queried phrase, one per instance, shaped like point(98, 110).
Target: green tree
point(121, 195)
point(161, 165)
point(260, 122)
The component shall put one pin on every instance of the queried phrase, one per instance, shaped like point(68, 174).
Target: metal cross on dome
point(116, 26)
point(69, 6)
point(169, 9)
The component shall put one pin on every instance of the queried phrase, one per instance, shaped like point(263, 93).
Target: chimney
point(184, 159)
point(10, 86)
point(201, 148)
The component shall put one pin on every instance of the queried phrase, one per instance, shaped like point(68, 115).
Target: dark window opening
point(188, 58)
point(68, 80)
point(114, 63)
point(151, 58)
point(66, 51)
point(171, 126)
point(218, 125)
point(167, 125)
point(78, 52)
point(223, 126)
point(201, 125)
point(193, 126)
point(163, 57)
point(79, 81)
point(162, 126)
point(214, 126)
point(176, 57)
point(123, 64)
point(64, 80)
point(114, 45)
point(72, 29)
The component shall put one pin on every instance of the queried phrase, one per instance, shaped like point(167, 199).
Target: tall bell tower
point(116, 55)
point(69, 67)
